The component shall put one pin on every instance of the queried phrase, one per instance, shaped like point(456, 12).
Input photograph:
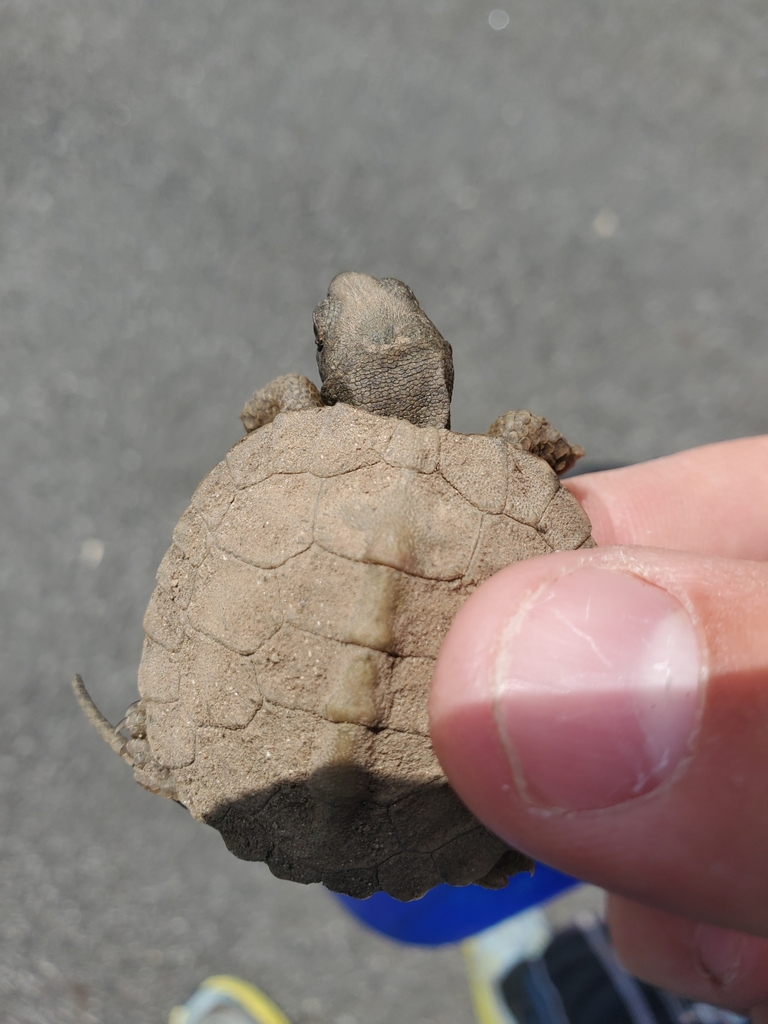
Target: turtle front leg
point(290, 393)
point(534, 434)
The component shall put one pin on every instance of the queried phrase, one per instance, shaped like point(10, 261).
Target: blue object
point(448, 913)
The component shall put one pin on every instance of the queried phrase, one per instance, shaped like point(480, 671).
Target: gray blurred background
point(578, 199)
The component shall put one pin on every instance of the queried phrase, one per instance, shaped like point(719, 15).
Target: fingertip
point(689, 501)
point(465, 710)
point(592, 763)
point(701, 961)
point(462, 724)
point(594, 492)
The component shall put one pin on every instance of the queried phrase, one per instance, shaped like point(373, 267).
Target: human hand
point(606, 711)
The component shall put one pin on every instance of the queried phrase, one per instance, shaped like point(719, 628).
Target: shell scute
point(248, 766)
point(342, 682)
point(359, 884)
point(235, 603)
point(426, 820)
point(338, 598)
point(214, 495)
point(468, 857)
point(532, 484)
point(159, 674)
point(350, 439)
point(243, 831)
point(408, 875)
point(412, 447)
point(191, 536)
point(250, 460)
point(414, 633)
point(338, 770)
point(503, 540)
point(256, 527)
point(297, 450)
point(401, 763)
point(176, 576)
point(219, 685)
point(399, 518)
point(368, 837)
point(164, 621)
point(328, 441)
point(171, 734)
point(564, 523)
point(408, 693)
point(476, 466)
point(359, 688)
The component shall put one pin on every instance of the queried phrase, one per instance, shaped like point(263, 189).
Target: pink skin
point(606, 711)
point(604, 669)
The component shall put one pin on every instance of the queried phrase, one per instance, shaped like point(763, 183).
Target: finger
point(701, 962)
point(606, 711)
point(711, 500)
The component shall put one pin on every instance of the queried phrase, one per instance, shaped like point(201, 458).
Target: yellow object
point(234, 991)
point(483, 1000)
point(492, 953)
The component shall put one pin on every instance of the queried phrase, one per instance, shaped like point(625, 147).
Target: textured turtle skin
point(291, 639)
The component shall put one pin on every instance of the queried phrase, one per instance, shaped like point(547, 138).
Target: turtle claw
point(134, 722)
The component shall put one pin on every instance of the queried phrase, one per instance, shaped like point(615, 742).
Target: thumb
point(606, 711)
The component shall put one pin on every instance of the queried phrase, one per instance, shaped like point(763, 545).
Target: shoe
point(521, 972)
point(223, 999)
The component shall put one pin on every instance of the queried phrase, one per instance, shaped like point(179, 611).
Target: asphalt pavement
point(577, 197)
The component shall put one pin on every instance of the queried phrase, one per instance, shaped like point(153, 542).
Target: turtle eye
point(318, 339)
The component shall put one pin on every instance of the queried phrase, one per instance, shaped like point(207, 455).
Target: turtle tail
point(107, 732)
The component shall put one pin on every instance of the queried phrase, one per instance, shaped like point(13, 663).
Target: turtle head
point(377, 350)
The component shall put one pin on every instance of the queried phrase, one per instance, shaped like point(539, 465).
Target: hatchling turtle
point(291, 638)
